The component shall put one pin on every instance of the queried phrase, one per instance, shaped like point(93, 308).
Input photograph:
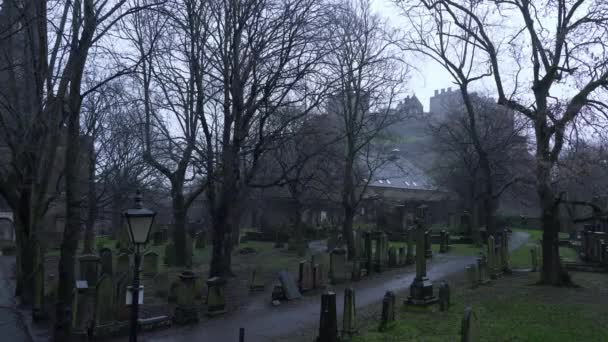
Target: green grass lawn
point(510, 309)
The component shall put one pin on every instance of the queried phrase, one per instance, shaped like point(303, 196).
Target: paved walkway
point(263, 323)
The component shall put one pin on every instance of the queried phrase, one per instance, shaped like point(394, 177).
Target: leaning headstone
point(444, 296)
point(161, 285)
point(469, 330)
point(388, 311)
point(150, 264)
point(392, 257)
point(337, 266)
point(105, 256)
point(349, 316)
point(257, 281)
point(305, 276)
point(289, 286)
point(328, 321)
point(186, 311)
point(122, 264)
point(104, 305)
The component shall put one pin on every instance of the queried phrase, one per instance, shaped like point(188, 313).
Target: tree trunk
point(179, 228)
point(347, 232)
point(552, 272)
point(299, 229)
point(348, 203)
point(489, 203)
point(69, 245)
point(89, 233)
point(221, 257)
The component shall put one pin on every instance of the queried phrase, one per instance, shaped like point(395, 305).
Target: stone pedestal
point(349, 317)
point(421, 289)
point(216, 297)
point(186, 310)
point(328, 322)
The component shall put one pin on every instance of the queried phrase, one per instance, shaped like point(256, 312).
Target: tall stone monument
point(421, 289)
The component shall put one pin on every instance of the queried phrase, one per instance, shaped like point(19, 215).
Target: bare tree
point(368, 76)
point(561, 73)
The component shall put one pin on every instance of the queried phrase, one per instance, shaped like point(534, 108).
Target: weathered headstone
point(122, 264)
point(328, 321)
point(104, 304)
point(150, 264)
point(105, 256)
point(337, 266)
point(444, 296)
point(289, 285)
point(257, 281)
point(305, 276)
point(349, 317)
point(161, 285)
point(388, 311)
point(89, 265)
point(186, 311)
point(469, 331)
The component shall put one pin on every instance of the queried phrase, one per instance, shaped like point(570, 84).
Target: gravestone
point(122, 264)
point(337, 266)
point(289, 285)
point(392, 257)
point(356, 273)
point(506, 262)
point(216, 296)
point(121, 310)
point(469, 330)
point(409, 258)
point(328, 321)
point(81, 310)
point(150, 264)
point(105, 256)
point(320, 280)
point(444, 297)
point(305, 276)
point(492, 258)
point(534, 259)
point(421, 289)
point(186, 310)
point(388, 311)
point(123, 242)
point(173, 290)
point(349, 316)
point(257, 281)
point(161, 285)
point(89, 265)
point(104, 304)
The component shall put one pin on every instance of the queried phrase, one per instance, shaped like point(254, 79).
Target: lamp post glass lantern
point(139, 222)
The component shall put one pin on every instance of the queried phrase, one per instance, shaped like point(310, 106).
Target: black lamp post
point(139, 220)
